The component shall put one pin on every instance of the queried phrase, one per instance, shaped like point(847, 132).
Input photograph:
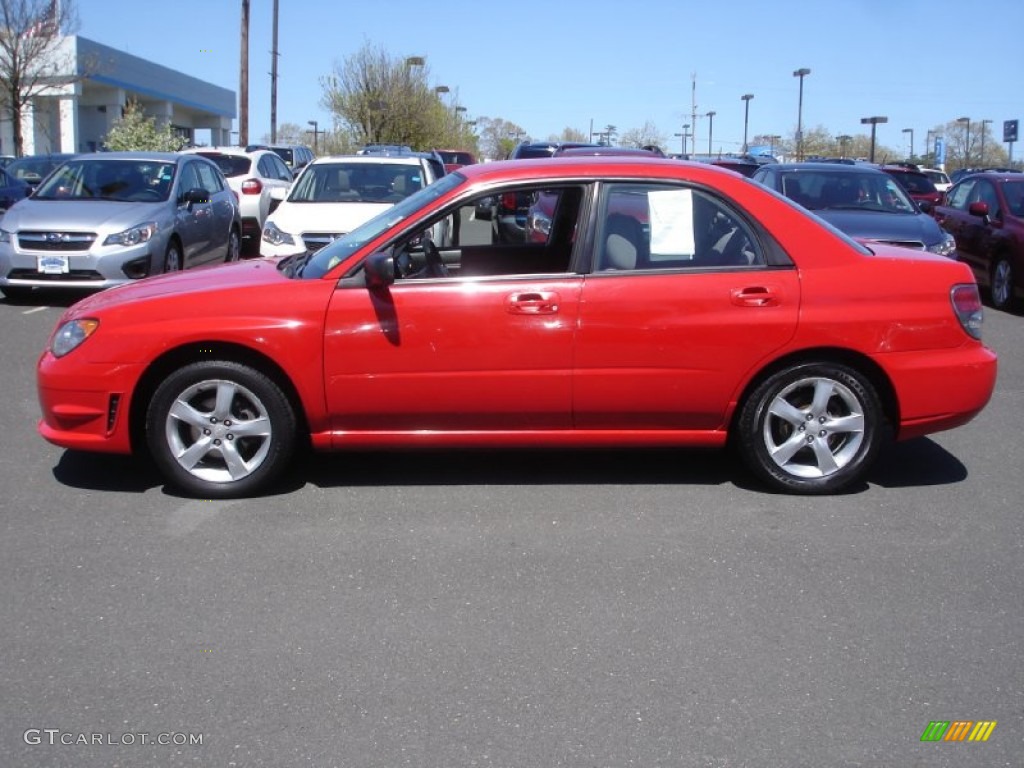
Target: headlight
point(946, 247)
point(133, 236)
point(71, 334)
point(275, 236)
point(5, 236)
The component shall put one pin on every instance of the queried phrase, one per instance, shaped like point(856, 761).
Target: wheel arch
point(176, 358)
point(837, 355)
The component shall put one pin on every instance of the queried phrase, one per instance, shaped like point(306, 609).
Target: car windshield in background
point(330, 256)
point(821, 190)
point(100, 179)
point(230, 165)
point(285, 154)
point(357, 183)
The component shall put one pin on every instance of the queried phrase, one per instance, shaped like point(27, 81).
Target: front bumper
point(99, 268)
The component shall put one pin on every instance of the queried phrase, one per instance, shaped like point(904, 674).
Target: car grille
point(56, 241)
point(915, 244)
point(74, 274)
point(316, 240)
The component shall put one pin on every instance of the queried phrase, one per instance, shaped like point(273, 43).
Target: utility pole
point(693, 108)
point(243, 84)
point(273, 82)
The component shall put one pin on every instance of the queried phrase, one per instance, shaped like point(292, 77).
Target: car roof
point(383, 159)
point(830, 167)
point(596, 167)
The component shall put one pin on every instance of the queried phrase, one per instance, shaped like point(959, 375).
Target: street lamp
point(983, 124)
point(442, 89)
point(746, 97)
point(683, 135)
point(843, 140)
point(911, 132)
point(967, 141)
point(771, 143)
point(316, 132)
point(711, 127)
point(874, 121)
point(801, 73)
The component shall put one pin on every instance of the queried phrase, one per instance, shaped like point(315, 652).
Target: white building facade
point(76, 117)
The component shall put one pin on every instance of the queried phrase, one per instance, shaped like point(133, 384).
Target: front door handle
point(532, 303)
point(755, 296)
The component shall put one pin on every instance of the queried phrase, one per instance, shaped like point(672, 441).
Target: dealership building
point(75, 117)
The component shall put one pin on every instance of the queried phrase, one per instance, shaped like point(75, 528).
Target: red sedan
point(670, 304)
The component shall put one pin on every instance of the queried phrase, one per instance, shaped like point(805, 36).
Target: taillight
point(251, 187)
point(967, 306)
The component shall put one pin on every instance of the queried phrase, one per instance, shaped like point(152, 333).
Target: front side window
point(961, 195)
point(646, 227)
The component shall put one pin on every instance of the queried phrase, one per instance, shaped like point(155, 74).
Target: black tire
point(776, 441)
point(174, 261)
point(16, 293)
point(234, 252)
point(1001, 284)
point(193, 423)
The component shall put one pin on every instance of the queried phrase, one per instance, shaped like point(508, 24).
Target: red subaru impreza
point(666, 304)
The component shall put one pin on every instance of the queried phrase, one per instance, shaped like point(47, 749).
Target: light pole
point(771, 143)
point(316, 132)
point(801, 73)
point(843, 140)
point(967, 141)
point(746, 97)
point(911, 132)
point(441, 89)
point(983, 124)
point(711, 127)
point(682, 136)
point(874, 121)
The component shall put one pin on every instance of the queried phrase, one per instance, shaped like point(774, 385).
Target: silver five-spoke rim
point(1001, 283)
point(814, 427)
point(218, 431)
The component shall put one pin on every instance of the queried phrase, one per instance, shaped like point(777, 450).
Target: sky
point(589, 64)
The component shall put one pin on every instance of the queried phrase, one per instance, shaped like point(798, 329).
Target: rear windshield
point(460, 158)
point(284, 153)
point(230, 165)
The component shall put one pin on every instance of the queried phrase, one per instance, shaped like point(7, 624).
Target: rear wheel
point(220, 429)
point(812, 428)
point(1002, 283)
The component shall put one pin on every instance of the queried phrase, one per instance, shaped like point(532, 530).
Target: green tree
point(134, 131)
point(498, 137)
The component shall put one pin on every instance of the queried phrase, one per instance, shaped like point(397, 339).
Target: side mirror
point(196, 195)
point(925, 206)
point(380, 270)
point(978, 208)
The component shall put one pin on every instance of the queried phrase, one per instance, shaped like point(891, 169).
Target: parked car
point(860, 200)
point(334, 195)
point(733, 316)
point(12, 189)
point(32, 169)
point(455, 159)
point(253, 176)
point(985, 213)
point(541, 149)
point(917, 185)
point(295, 156)
point(937, 177)
point(113, 217)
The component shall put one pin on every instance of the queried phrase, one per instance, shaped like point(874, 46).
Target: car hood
point(335, 218)
point(90, 215)
point(888, 227)
point(221, 278)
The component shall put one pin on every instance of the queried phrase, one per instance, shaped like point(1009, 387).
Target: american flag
point(48, 22)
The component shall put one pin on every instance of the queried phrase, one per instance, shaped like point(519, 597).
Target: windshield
point(352, 182)
point(330, 256)
point(844, 190)
point(104, 179)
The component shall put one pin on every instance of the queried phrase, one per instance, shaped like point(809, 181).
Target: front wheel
point(812, 428)
point(234, 252)
point(1002, 284)
point(220, 429)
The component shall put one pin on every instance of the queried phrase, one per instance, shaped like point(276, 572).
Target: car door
point(486, 348)
point(194, 220)
point(680, 307)
point(222, 210)
point(971, 232)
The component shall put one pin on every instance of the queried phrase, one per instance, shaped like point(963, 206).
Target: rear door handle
point(532, 303)
point(755, 296)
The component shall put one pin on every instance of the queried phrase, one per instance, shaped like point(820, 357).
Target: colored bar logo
point(959, 730)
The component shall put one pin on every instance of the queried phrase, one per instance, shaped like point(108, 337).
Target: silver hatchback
point(112, 217)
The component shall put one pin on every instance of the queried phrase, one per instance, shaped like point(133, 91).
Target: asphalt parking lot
point(648, 608)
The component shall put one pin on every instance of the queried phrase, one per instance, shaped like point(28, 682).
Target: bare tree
point(30, 60)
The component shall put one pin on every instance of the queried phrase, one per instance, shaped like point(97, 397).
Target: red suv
point(985, 214)
point(916, 183)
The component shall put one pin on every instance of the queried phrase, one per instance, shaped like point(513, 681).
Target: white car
point(253, 176)
point(334, 195)
point(938, 178)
